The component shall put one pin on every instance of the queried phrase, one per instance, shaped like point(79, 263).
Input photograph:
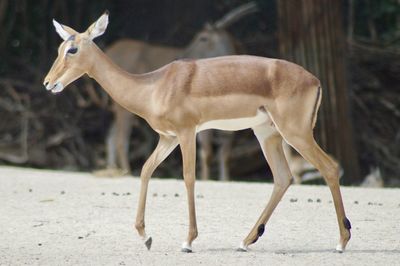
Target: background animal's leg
point(205, 140)
point(164, 147)
point(187, 140)
point(224, 151)
point(112, 146)
point(271, 144)
point(125, 122)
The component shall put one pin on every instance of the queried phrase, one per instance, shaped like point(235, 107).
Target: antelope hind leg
point(271, 144)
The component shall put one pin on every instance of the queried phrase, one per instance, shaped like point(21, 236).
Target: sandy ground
point(61, 218)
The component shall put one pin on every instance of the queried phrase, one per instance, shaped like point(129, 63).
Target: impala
point(277, 99)
point(140, 57)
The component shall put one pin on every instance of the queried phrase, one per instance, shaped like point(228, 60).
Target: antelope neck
point(128, 90)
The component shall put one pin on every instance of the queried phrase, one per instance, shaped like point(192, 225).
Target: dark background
point(46, 131)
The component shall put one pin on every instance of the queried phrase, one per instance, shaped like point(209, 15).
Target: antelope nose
point(45, 83)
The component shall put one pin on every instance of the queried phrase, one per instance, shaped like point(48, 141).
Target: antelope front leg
point(164, 147)
point(187, 140)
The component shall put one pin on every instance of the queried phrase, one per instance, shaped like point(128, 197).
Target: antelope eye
point(72, 50)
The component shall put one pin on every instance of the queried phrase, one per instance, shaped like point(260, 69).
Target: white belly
point(237, 123)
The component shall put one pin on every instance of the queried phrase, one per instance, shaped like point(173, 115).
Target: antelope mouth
point(55, 88)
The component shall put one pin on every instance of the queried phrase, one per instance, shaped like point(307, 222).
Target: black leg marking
point(255, 240)
point(260, 230)
point(148, 243)
point(346, 223)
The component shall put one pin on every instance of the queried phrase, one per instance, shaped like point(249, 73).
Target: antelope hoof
point(340, 248)
point(342, 245)
point(148, 242)
point(186, 247)
point(242, 247)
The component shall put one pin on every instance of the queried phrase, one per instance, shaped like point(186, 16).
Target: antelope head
point(214, 39)
point(74, 56)
point(210, 42)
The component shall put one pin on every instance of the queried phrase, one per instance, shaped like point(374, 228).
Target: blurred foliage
point(378, 20)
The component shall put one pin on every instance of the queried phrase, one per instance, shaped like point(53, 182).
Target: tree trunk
point(311, 35)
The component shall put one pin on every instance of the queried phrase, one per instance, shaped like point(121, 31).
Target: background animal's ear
point(209, 26)
point(99, 27)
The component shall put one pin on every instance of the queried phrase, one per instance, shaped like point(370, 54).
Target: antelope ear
point(209, 26)
point(61, 30)
point(99, 27)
